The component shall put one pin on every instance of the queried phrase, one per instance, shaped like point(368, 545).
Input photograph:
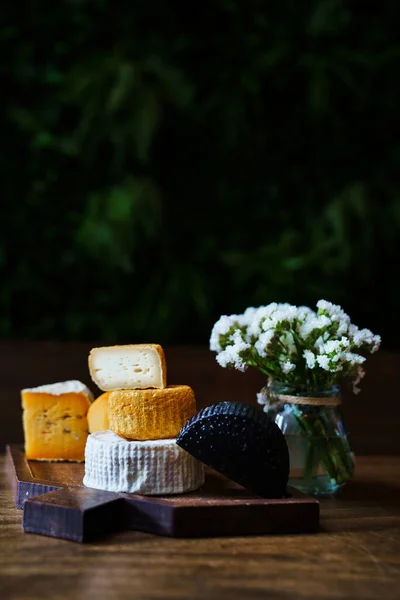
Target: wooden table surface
point(355, 555)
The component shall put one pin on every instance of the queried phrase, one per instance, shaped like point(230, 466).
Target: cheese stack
point(133, 426)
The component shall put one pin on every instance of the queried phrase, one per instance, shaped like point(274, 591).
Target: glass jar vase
point(321, 459)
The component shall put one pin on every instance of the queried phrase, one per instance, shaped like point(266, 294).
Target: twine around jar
point(311, 400)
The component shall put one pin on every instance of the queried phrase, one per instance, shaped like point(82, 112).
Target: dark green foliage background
point(164, 163)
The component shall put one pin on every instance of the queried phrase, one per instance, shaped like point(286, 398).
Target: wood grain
point(220, 507)
point(355, 556)
point(372, 418)
point(75, 514)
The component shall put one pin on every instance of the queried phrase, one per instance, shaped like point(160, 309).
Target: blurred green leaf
point(328, 16)
point(167, 170)
point(125, 81)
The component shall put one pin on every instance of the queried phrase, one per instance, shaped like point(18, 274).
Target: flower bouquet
point(306, 356)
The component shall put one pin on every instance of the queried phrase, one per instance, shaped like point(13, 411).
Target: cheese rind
point(150, 414)
point(243, 443)
point(155, 467)
point(97, 414)
point(55, 421)
point(62, 387)
point(134, 366)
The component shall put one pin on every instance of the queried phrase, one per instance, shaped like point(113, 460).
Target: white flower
point(324, 305)
point(237, 337)
point(304, 311)
point(227, 359)
point(330, 346)
point(285, 336)
point(376, 341)
point(258, 317)
point(310, 358)
point(263, 318)
point(331, 361)
point(287, 367)
point(232, 355)
point(342, 327)
point(334, 346)
point(364, 337)
point(263, 342)
point(337, 357)
point(353, 331)
point(336, 314)
point(221, 327)
point(312, 323)
point(331, 309)
point(354, 359)
point(323, 362)
point(284, 313)
point(248, 317)
point(361, 336)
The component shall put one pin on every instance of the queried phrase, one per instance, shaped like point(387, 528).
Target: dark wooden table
point(356, 554)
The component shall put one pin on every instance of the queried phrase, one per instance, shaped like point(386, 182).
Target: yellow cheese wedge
point(97, 414)
point(55, 421)
point(150, 414)
point(134, 366)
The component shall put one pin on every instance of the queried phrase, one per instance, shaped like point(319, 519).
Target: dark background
point(164, 163)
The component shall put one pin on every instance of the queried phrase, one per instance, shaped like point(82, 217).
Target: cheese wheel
point(243, 443)
point(134, 366)
point(55, 421)
point(150, 414)
point(156, 467)
point(97, 414)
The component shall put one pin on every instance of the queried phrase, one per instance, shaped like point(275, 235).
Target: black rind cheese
point(242, 442)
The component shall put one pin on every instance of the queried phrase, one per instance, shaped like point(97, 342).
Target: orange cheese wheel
point(151, 414)
point(97, 414)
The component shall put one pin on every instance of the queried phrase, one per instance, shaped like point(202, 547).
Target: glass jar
point(321, 460)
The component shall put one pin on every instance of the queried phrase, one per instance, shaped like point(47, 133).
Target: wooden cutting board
point(56, 503)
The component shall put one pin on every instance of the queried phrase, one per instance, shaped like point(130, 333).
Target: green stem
point(340, 446)
point(328, 448)
point(311, 462)
point(330, 467)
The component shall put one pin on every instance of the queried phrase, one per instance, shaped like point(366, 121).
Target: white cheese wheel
point(153, 467)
